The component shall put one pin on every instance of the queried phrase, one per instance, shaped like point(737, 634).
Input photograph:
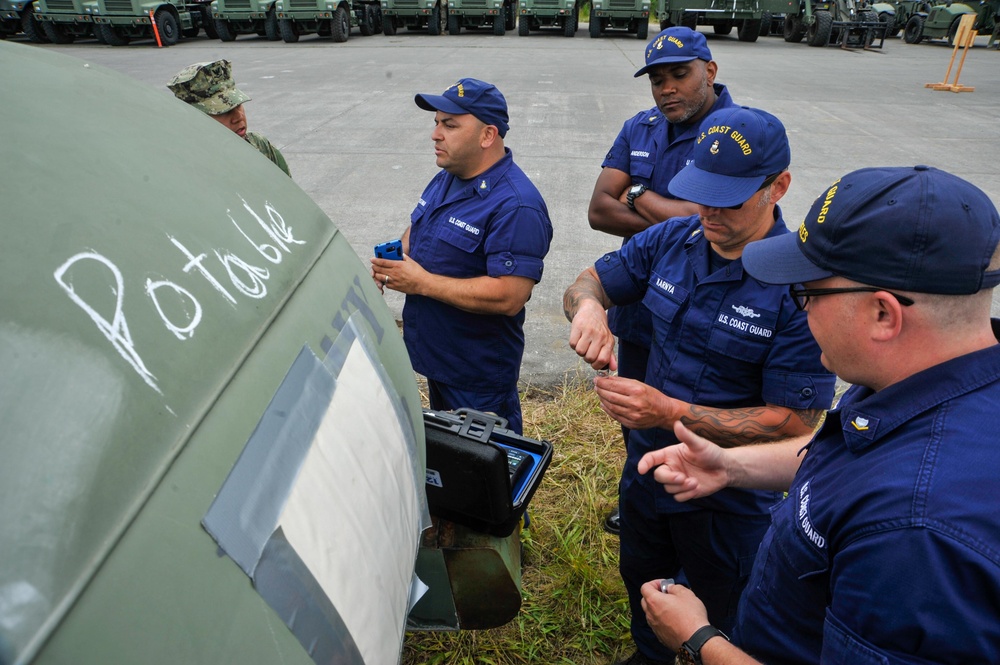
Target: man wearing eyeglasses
point(886, 549)
point(731, 358)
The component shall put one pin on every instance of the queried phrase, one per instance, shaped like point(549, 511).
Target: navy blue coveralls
point(721, 340)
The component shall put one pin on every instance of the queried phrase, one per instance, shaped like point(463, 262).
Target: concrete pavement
point(344, 117)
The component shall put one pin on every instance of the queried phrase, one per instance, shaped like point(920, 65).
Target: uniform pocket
point(797, 548)
point(461, 236)
point(742, 331)
point(843, 647)
point(664, 298)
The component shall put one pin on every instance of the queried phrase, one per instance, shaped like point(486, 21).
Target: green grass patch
point(574, 610)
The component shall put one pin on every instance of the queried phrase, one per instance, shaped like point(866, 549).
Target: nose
point(668, 87)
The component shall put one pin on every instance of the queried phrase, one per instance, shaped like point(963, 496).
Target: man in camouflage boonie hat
point(209, 87)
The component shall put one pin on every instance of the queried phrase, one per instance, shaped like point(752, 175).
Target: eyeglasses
point(802, 296)
point(768, 181)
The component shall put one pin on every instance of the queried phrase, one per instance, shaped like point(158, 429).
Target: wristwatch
point(690, 653)
point(634, 192)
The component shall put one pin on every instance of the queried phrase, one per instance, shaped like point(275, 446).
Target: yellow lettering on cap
point(741, 141)
point(718, 129)
point(461, 90)
point(803, 233)
point(830, 193)
point(674, 40)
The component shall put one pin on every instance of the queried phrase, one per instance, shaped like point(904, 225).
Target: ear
point(887, 316)
point(711, 69)
point(780, 186)
point(488, 136)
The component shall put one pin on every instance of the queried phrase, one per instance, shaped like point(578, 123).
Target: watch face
point(636, 189)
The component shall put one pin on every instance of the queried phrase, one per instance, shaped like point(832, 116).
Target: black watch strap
point(634, 192)
point(692, 648)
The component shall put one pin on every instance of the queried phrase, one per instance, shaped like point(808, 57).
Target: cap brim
point(439, 103)
point(223, 102)
point(779, 260)
point(670, 60)
point(713, 189)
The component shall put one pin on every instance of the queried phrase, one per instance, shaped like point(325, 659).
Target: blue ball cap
point(907, 228)
point(736, 150)
point(676, 44)
point(472, 96)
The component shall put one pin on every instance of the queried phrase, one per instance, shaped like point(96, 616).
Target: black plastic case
point(468, 481)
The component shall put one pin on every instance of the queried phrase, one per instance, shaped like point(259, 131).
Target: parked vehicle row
point(818, 22)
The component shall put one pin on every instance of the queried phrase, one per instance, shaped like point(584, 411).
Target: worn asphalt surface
point(344, 117)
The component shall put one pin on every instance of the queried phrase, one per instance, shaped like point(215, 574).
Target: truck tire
point(389, 26)
point(166, 25)
point(722, 29)
point(226, 33)
point(818, 34)
point(57, 34)
point(569, 28)
point(365, 23)
point(952, 30)
point(642, 30)
point(437, 23)
point(524, 26)
point(765, 24)
point(870, 17)
point(114, 35)
point(340, 25)
point(499, 25)
point(914, 31)
point(208, 22)
point(690, 20)
point(454, 25)
point(595, 27)
point(289, 33)
point(748, 30)
point(890, 24)
point(97, 33)
point(792, 29)
point(271, 29)
point(32, 27)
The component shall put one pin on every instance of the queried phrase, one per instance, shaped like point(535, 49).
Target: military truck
point(430, 15)
point(245, 17)
point(563, 15)
point(500, 15)
point(823, 22)
point(941, 21)
point(632, 16)
point(63, 21)
point(19, 16)
point(194, 389)
point(751, 18)
point(327, 18)
point(165, 21)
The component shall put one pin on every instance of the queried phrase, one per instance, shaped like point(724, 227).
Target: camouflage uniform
point(209, 87)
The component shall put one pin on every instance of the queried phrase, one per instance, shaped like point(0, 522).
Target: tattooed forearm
point(811, 418)
point(740, 427)
point(586, 286)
